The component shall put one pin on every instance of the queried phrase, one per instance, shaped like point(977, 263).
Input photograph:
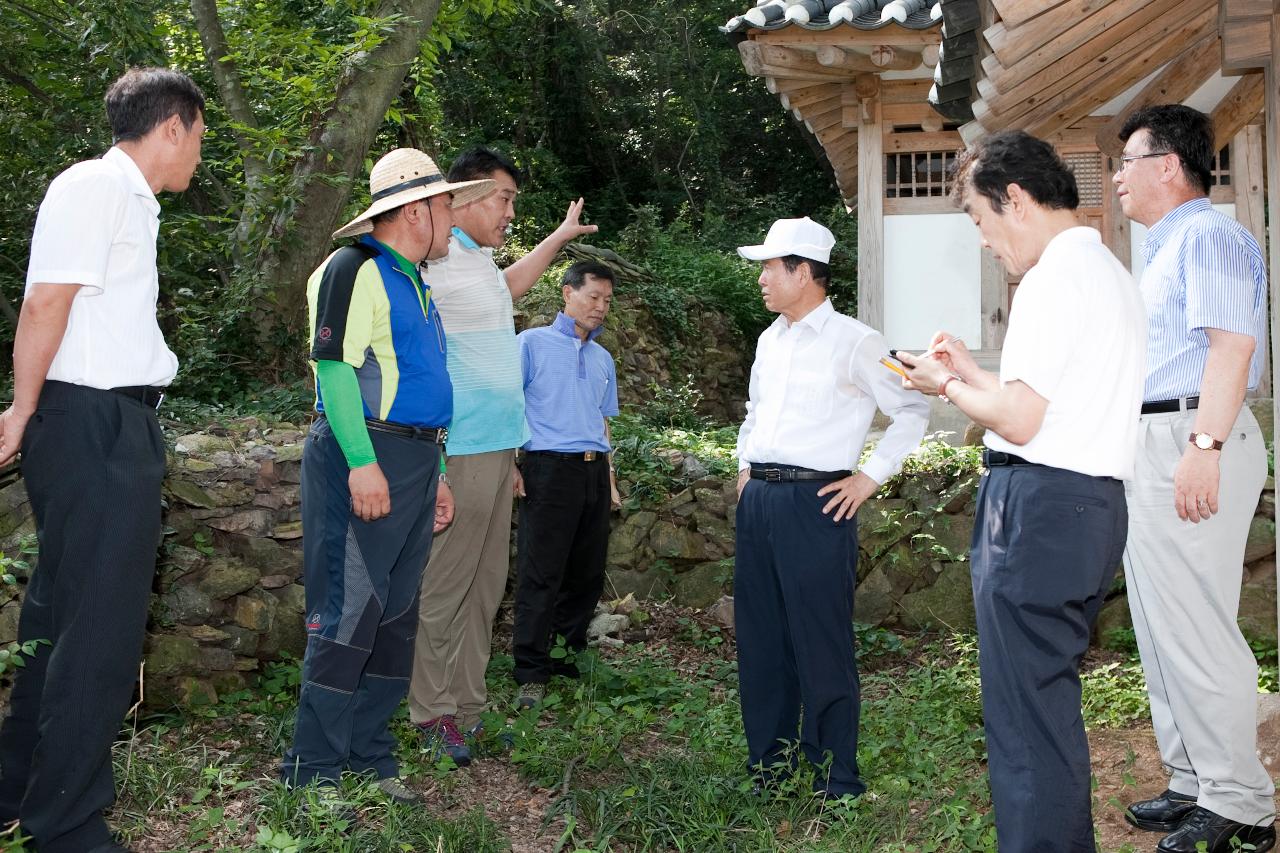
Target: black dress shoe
point(1217, 834)
point(1165, 813)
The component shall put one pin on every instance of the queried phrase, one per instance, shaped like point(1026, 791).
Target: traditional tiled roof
point(826, 14)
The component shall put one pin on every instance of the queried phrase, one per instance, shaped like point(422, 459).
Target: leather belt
point(1183, 404)
point(145, 394)
point(580, 456)
point(437, 435)
point(992, 458)
point(791, 473)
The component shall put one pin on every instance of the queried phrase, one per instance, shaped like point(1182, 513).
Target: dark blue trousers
point(793, 586)
point(362, 581)
point(1046, 546)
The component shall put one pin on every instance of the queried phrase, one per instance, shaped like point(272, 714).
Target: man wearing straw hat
point(373, 485)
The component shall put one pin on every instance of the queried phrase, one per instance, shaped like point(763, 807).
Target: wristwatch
point(1204, 441)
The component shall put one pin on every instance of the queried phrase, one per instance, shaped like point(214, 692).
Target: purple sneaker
point(443, 737)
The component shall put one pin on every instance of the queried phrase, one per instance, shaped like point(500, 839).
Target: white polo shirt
point(97, 227)
point(1078, 337)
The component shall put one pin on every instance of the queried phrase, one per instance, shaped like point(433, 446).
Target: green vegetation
point(644, 753)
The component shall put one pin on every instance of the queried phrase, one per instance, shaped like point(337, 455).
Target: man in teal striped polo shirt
point(466, 576)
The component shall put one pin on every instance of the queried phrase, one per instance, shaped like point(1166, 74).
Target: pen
point(898, 370)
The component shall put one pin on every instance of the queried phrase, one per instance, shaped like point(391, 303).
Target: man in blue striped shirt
point(1200, 469)
point(570, 392)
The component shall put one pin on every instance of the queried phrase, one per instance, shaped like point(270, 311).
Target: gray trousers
point(1184, 593)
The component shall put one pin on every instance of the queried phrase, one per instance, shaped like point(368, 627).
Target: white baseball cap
point(802, 237)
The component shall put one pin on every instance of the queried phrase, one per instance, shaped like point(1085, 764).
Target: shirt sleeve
point(344, 409)
point(749, 422)
point(345, 308)
point(1222, 289)
point(907, 410)
point(1042, 331)
point(609, 406)
point(75, 227)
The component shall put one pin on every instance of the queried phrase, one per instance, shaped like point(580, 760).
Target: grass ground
point(644, 753)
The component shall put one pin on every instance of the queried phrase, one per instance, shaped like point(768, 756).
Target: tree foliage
point(631, 106)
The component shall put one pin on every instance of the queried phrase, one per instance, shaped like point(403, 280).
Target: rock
point(923, 491)
point(883, 522)
point(680, 499)
point(626, 605)
point(170, 654)
point(952, 534)
point(1264, 413)
point(215, 659)
point(874, 599)
point(646, 586)
point(906, 570)
point(246, 664)
point(275, 581)
point(1260, 571)
point(694, 468)
point(703, 584)
point(289, 530)
point(207, 634)
point(957, 497)
point(1257, 615)
point(240, 639)
point(182, 560)
point(255, 522)
point(289, 453)
point(711, 500)
point(267, 555)
point(948, 603)
point(1269, 732)
point(627, 538)
point(607, 624)
point(292, 598)
point(286, 635)
point(667, 540)
point(195, 692)
point(15, 507)
point(718, 533)
point(1262, 539)
point(190, 494)
point(199, 444)
point(291, 472)
point(9, 614)
point(227, 682)
point(1267, 505)
point(722, 612)
point(226, 577)
point(254, 612)
point(187, 604)
point(1114, 616)
point(973, 435)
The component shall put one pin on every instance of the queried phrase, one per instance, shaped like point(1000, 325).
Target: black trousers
point(793, 583)
point(93, 462)
point(362, 580)
point(1046, 545)
point(561, 546)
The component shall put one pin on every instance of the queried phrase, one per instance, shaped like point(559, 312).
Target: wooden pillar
point(1117, 230)
point(1273, 200)
point(870, 202)
point(995, 301)
point(1247, 178)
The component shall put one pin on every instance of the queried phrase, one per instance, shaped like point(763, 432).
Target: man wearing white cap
point(373, 483)
point(815, 385)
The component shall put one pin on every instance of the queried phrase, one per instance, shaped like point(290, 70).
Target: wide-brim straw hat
point(405, 175)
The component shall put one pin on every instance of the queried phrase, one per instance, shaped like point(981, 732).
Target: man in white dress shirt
point(89, 368)
point(815, 385)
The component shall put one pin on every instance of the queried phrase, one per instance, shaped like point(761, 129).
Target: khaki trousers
point(1184, 593)
point(461, 590)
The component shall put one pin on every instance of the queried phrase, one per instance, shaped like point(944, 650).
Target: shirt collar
point(137, 181)
point(464, 238)
point(1170, 222)
point(815, 319)
point(401, 262)
point(566, 326)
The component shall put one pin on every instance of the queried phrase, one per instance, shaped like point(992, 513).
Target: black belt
point(437, 435)
point(145, 394)
point(991, 458)
point(580, 456)
point(1159, 406)
point(790, 473)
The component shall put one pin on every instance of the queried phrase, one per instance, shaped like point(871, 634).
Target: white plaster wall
point(932, 279)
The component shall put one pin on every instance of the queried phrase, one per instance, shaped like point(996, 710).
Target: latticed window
point(917, 174)
point(1091, 177)
point(1220, 174)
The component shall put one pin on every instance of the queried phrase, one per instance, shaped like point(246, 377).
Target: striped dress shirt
point(1204, 271)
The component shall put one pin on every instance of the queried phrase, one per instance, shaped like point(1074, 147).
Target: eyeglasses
point(1125, 161)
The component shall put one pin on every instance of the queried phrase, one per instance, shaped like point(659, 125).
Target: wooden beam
point(812, 95)
point(905, 91)
point(1129, 60)
point(943, 140)
point(908, 114)
point(832, 117)
point(1117, 230)
point(1015, 12)
point(764, 60)
point(1234, 10)
point(1011, 41)
point(886, 57)
point(930, 55)
point(848, 35)
point(1176, 82)
point(870, 210)
point(1247, 179)
point(779, 86)
point(1111, 82)
point(830, 56)
point(1246, 44)
point(994, 300)
point(1238, 108)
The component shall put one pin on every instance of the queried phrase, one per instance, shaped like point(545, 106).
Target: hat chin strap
point(431, 218)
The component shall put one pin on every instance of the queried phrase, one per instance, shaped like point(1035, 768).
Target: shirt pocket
point(810, 393)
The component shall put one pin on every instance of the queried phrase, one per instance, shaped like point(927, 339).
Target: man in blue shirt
point(1200, 468)
point(570, 390)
